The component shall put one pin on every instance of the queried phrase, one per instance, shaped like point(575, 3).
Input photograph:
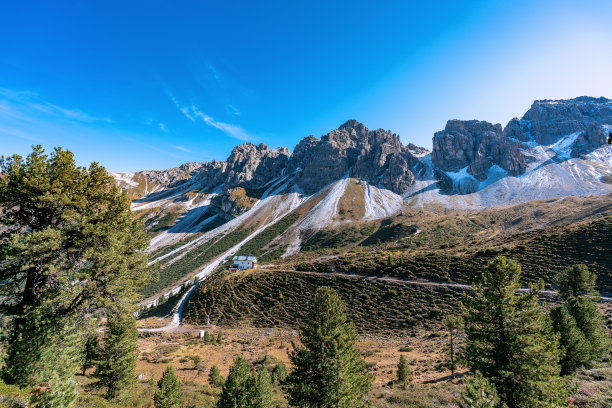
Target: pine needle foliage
point(510, 339)
point(479, 393)
point(69, 246)
point(246, 389)
point(578, 321)
point(404, 375)
point(117, 357)
point(328, 371)
point(575, 281)
point(214, 377)
point(168, 394)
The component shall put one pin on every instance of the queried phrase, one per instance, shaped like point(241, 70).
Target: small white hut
point(242, 262)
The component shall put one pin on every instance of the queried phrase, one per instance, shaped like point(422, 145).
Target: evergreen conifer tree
point(453, 325)
point(214, 377)
point(589, 321)
point(510, 339)
point(575, 281)
point(578, 321)
point(259, 390)
point(577, 348)
point(480, 393)
point(168, 394)
point(236, 393)
point(328, 371)
point(117, 357)
point(404, 375)
point(70, 246)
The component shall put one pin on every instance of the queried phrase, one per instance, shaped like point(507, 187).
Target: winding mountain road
point(177, 312)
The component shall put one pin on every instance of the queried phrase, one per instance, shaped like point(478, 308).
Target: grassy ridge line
point(280, 298)
point(542, 253)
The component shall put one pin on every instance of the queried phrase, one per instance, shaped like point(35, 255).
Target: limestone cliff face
point(559, 130)
point(547, 121)
point(478, 146)
point(378, 157)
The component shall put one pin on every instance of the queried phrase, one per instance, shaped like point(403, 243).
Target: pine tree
point(259, 389)
point(90, 352)
point(168, 394)
point(219, 337)
point(575, 281)
point(328, 371)
point(510, 339)
point(117, 357)
point(453, 325)
point(236, 392)
point(214, 377)
point(589, 321)
point(70, 246)
point(404, 375)
point(578, 321)
point(54, 382)
point(577, 348)
point(479, 393)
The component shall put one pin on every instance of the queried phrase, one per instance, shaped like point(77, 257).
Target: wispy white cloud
point(193, 112)
point(30, 104)
point(233, 110)
point(162, 127)
point(231, 130)
point(180, 107)
point(182, 149)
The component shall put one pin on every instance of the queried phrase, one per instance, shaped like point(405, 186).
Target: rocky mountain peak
point(355, 151)
point(549, 120)
point(477, 146)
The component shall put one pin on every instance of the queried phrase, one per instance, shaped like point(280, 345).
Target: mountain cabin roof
point(245, 258)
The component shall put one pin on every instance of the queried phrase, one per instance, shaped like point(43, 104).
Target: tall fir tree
point(70, 246)
point(235, 389)
point(510, 339)
point(214, 377)
point(578, 320)
point(168, 394)
point(117, 357)
point(577, 348)
point(246, 389)
point(328, 370)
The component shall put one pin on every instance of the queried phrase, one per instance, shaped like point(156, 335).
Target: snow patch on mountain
point(563, 147)
point(380, 203)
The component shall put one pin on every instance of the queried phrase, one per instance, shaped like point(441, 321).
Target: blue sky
point(150, 84)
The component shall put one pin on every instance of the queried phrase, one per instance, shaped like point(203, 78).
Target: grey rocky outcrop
point(547, 121)
point(478, 146)
point(353, 150)
point(252, 166)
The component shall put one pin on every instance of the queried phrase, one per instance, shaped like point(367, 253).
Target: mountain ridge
point(353, 174)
